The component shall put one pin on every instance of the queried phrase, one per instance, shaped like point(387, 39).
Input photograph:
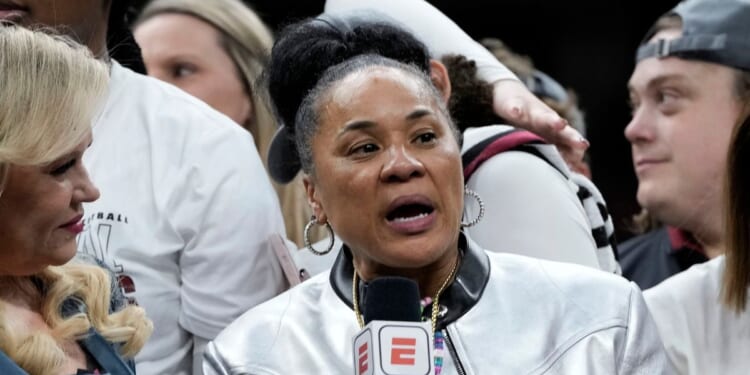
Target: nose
point(85, 190)
point(640, 129)
point(401, 165)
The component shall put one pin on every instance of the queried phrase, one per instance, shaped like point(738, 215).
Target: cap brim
point(283, 161)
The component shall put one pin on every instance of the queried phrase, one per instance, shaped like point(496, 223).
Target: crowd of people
point(182, 194)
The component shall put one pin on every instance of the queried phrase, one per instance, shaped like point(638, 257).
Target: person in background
point(216, 50)
point(187, 208)
point(687, 97)
point(545, 210)
point(56, 316)
point(373, 127)
point(702, 313)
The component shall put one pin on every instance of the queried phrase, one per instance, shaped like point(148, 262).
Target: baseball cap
point(716, 31)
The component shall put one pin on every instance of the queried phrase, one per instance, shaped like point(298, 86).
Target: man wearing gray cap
point(687, 92)
point(690, 89)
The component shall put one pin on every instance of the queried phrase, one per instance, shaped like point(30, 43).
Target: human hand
point(516, 104)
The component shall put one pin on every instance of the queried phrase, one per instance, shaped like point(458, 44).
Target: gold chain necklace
point(435, 302)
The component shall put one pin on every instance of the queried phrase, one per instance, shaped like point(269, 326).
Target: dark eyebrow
point(417, 114)
point(367, 124)
point(357, 125)
point(660, 80)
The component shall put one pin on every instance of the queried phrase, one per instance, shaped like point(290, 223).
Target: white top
point(700, 334)
point(530, 207)
point(439, 33)
point(532, 317)
point(185, 212)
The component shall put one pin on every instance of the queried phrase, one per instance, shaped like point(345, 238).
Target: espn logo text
point(389, 348)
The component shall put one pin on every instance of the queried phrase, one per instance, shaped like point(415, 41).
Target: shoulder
point(513, 158)
point(179, 134)
point(472, 136)
point(581, 292)
point(162, 106)
point(698, 286)
point(258, 335)
point(691, 319)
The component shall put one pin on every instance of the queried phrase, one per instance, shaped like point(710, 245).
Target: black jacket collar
point(466, 289)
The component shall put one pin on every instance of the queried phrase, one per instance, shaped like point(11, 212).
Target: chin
point(651, 194)
point(416, 254)
point(657, 206)
point(63, 254)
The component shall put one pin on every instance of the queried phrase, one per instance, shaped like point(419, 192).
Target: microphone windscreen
point(392, 298)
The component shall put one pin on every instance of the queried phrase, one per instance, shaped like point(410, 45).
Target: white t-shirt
point(700, 334)
point(185, 212)
point(530, 207)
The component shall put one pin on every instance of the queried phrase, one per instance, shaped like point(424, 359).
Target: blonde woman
point(55, 318)
point(215, 50)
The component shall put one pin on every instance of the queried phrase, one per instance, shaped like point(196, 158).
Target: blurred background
point(588, 46)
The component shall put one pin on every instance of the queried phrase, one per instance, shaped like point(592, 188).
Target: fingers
point(513, 102)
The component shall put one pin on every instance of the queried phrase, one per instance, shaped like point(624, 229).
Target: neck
point(19, 291)
point(429, 278)
point(710, 235)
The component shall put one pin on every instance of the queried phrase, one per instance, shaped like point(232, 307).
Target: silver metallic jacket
point(504, 314)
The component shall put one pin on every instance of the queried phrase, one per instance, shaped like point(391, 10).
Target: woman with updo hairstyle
point(56, 317)
point(543, 212)
point(382, 168)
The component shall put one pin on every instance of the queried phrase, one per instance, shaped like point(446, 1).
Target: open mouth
point(409, 215)
point(409, 212)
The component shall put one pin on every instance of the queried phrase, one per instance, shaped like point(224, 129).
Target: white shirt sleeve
point(227, 214)
point(438, 32)
point(530, 210)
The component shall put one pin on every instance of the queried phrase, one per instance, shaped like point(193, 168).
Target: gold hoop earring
point(479, 217)
point(309, 244)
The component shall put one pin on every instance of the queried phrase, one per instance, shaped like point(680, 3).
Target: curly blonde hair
point(51, 89)
point(42, 352)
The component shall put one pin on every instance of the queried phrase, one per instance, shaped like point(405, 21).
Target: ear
point(440, 78)
point(313, 199)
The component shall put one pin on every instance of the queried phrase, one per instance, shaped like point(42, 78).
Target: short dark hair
point(470, 103)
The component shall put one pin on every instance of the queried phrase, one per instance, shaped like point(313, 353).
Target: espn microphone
point(394, 340)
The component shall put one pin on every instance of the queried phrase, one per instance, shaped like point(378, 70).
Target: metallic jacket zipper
point(454, 355)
